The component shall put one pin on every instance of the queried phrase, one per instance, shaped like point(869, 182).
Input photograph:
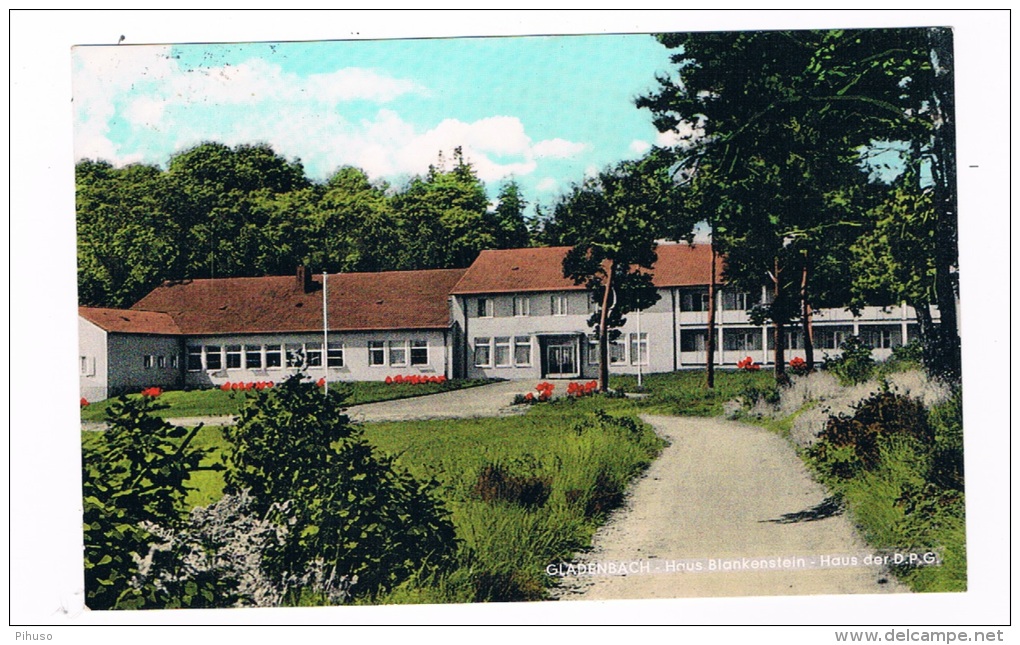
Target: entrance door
point(561, 359)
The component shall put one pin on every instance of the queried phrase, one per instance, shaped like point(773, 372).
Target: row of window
point(694, 340)
point(515, 351)
point(731, 301)
point(521, 306)
point(150, 361)
point(496, 351)
point(393, 353)
point(632, 350)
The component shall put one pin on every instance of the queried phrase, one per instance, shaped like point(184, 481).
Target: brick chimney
point(304, 280)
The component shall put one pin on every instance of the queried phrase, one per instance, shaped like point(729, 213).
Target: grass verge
point(216, 402)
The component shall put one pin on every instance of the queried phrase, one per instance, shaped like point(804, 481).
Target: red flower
point(389, 380)
point(321, 382)
point(151, 392)
point(225, 387)
point(529, 397)
point(84, 402)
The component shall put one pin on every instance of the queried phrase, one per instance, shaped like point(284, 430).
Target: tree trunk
point(710, 340)
point(778, 330)
point(809, 337)
point(604, 335)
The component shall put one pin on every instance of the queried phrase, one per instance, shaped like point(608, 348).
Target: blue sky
point(543, 110)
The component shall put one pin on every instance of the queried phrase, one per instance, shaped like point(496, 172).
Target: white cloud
point(547, 185)
point(558, 149)
point(142, 94)
point(637, 146)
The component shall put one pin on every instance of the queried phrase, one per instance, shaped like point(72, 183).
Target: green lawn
point(216, 402)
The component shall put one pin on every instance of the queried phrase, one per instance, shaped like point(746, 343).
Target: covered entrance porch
point(560, 355)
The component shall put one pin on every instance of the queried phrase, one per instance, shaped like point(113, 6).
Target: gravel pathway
point(726, 495)
point(483, 401)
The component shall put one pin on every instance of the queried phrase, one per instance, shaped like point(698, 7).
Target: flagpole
point(639, 348)
point(325, 336)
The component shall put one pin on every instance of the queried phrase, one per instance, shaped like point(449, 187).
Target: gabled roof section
point(357, 301)
point(517, 271)
point(541, 269)
point(685, 265)
point(126, 321)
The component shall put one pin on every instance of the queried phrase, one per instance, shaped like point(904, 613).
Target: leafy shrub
point(753, 393)
point(912, 352)
point(216, 560)
point(134, 477)
point(850, 443)
point(353, 511)
point(855, 365)
point(497, 482)
point(947, 461)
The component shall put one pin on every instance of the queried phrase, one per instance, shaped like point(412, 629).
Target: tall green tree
point(219, 198)
point(782, 121)
point(612, 221)
point(443, 216)
point(127, 242)
point(510, 223)
point(355, 228)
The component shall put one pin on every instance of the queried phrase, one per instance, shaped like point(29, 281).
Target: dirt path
point(725, 494)
point(482, 401)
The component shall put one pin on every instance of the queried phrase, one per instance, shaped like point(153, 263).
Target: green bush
point(353, 511)
point(134, 480)
point(946, 420)
point(854, 365)
point(850, 443)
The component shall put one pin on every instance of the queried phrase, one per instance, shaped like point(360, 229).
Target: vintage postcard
point(519, 319)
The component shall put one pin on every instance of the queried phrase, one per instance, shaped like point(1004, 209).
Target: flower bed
point(414, 379)
point(240, 386)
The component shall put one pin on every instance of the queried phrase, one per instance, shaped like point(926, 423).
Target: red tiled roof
point(357, 301)
point(517, 270)
point(684, 265)
point(128, 321)
point(541, 269)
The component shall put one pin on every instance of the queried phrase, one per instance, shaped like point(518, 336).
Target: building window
point(483, 352)
point(881, 338)
point(419, 352)
point(213, 357)
point(502, 351)
point(522, 306)
point(485, 307)
point(398, 353)
point(313, 354)
point(161, 362)
point(522, 351)
point(694, 301)
point(639, 349)
point(147, 361)
point(174, 361)
point(253, 357)
point(335, 355)
point(735, 300)
point(593, 349)
point(794, 339)
point(617, 353)
point(88, 366)
point(274, 356)
point(233, 357)
point(559, 305)
point(693, 341)
point(831, 338)
point(376, 352)
point(741, 340)
point(194, 359)
point(294, 355)
point(593, 304)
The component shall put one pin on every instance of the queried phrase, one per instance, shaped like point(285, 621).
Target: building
point(201, 333)
point(510, 315)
